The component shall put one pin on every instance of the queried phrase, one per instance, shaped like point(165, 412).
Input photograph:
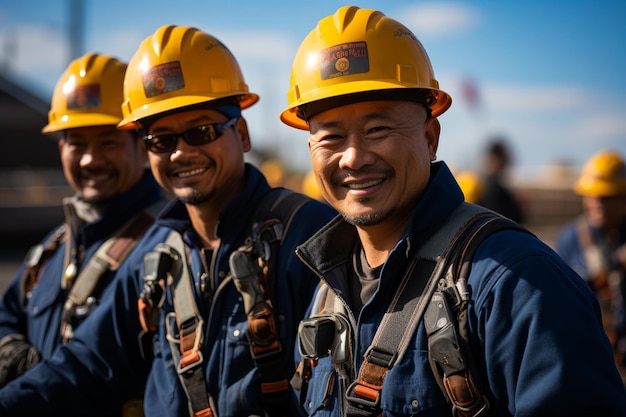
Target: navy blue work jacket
point(40, 318)
point(534, 323)
point(109, 360)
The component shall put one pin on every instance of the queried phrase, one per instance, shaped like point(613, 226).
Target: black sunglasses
point(199, 135)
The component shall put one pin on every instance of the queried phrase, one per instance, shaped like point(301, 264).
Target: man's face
point(211, 172)
point(372, 159)
point(605, 212)
point(100, 163)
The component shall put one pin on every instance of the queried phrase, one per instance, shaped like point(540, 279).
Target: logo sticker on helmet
point(163, 79)
point(345, 59)
point(84, 97)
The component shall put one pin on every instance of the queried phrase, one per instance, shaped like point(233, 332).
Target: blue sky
point(551, 74)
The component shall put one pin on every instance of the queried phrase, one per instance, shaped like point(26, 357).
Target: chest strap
point(406, 309)
point(108, 257)
point(252, 271)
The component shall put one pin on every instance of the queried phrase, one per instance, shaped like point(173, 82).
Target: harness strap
point(407, 307)
point(190, 329)
point(108, 257)
point(255, 282)
point(445, 322)
point(265, 348)
point(36, 259)
point(404, 312)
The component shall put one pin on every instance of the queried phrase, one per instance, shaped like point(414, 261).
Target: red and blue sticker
point(344, 59)
point(163, 79)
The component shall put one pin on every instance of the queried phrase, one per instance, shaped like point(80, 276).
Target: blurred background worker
point(497, 195)
point(65, 277)
point(595, 244)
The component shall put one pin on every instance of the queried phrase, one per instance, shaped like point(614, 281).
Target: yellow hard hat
point(89, 93)
point(472, 186)
point(603, 175)
point(176, 67)
point(360, 51)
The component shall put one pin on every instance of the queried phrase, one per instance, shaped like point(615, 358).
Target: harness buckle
point(189, 361)
point(363, 398)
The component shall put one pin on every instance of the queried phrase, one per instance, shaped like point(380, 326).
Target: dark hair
point(418, 95)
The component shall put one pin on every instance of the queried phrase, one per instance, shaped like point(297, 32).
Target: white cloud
point(440, 19)
point(602, 126)
point(534, 98)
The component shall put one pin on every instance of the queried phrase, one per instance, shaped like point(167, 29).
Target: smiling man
point(206, 311)
point(532, 343)
point(66, 277)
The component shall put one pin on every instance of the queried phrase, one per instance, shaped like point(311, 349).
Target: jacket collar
point(235, 215)
point(332, 245)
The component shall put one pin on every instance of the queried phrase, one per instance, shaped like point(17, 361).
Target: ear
point(244, 135)
point(432, 129)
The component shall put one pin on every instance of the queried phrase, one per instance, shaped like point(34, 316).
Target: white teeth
point(364, 185)
point(190, 173)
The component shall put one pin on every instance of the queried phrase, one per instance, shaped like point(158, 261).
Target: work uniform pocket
point(323, 390)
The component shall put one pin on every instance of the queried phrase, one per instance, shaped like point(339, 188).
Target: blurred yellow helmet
point(310, 186)
point(472, 186)
point(358, 55)
point(603, 175)
point(88, 93)
point(180, 66)
point(273, 171)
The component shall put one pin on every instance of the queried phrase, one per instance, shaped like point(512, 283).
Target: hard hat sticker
point(84, 97)
point(163, 79)
point(345, 59)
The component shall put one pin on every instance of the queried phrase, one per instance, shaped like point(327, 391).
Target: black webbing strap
point(445, 321)
point(407, 308)
point(272, 220)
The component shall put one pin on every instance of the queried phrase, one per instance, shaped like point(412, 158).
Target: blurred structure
point(31, 179)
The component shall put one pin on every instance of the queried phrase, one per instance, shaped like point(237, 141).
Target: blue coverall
point(39, 318)
point(103, 364)
point(535, 325)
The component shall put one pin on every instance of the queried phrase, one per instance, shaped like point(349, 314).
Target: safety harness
point(442, 300)
point(252, 270)
point(108, 257)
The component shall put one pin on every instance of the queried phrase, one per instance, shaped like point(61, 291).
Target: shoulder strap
point(408, 305)
point(446, 323)
point(108, 257)
point(37, 257)
point(252, 268)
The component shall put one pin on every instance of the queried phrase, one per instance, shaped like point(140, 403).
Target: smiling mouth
point(363, 185)
point(190, 173)
point(96, 178)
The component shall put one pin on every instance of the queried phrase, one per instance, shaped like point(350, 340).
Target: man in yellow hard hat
point(398, 327)
point(595, 243)
point(68, 275)
point(208, 311)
